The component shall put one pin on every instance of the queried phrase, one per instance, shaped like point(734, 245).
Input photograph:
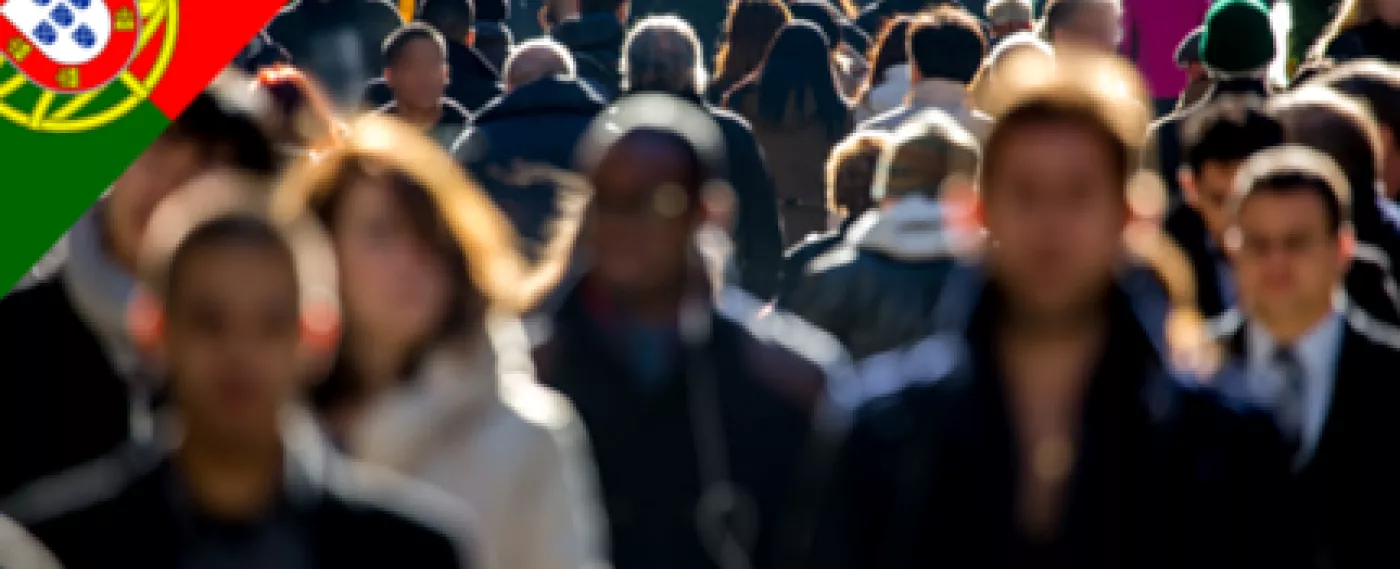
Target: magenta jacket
point(1152, 30)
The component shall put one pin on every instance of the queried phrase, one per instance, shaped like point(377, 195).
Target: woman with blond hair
point(434, 376)
point(1363, 29)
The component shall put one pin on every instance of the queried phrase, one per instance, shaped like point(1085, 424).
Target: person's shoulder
point(1383, 336)
point(71, 500)
point(391, 506)
point(36, 294)
point(796, 358)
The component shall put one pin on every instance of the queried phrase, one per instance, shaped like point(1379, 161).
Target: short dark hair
point(242, 229)
point(1075, 110)
point(608, 6)
point(1302, 182)
point(454, 13)
point(226, 123)
point(1340, 127)
point(1228, 129)
point(398, 41)
point(1373, 81)
point(947, 44)
point(1059, 12)
point(821, 13)
point(492, 10)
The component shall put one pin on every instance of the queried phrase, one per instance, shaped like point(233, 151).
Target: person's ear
point(1189, 191)
point(389, 77)
point(470, 40)
point(145, 323)
point(321, 327)
point(1346, 247)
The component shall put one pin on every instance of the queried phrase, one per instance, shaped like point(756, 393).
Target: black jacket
point(595, 39)
point(1164, 137)
point(645, 440)
point(125, 510)
point(1169, 476)
point(454, 120)
point(538, 124)
point(1347, 489)
point(798, 258)
point(877, 290)
point(1374, 40)
point(472, 81)
point(318, 33)
point(1185, 227)
point(62, 403)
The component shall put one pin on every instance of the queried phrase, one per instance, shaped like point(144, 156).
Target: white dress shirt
point(1317, 352)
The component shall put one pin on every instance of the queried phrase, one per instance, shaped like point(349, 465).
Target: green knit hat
point(1238, 38)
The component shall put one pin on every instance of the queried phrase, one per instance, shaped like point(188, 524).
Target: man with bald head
point(663, 55)
point(538, 59)
point(537, 123)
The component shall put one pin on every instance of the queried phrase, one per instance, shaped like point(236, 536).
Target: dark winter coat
point(1169, 476)
point(645, 435)
point(1374, 40)
point(595, 39)
point(540, 123)
point(472, 81)
point(450, 125)
point(1189, 232)
point(1346, 489)
point(123, 511)
point(877, 290)
point(1164, 152)
point(338, 42)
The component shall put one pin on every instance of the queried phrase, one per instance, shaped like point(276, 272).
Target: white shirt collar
point(941, 93)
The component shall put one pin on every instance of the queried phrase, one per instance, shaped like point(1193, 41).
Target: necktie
point(1289, 411)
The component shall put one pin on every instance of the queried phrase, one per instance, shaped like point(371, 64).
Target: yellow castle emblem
point(19, 49)
point(125, 20)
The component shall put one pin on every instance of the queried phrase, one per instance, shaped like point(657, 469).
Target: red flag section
point(209, 34)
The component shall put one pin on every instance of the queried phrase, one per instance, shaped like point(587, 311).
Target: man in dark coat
point(72, 388)
point(1237, 48)
point(595, 38)
point(1217, 138)
point(537, 124)
point(698, 423)
point(248, 484)
point(491, 33)
point(417, 74)
point(472, 81)
point(337, 41)
point(1040, 427)
point(1323, 369)
point(663, 55)
point(876, 291)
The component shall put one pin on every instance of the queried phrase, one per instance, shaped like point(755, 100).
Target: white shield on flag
point(71, 32)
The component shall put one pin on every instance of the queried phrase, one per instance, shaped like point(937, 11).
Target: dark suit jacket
point(120, 511)
point(1347, 492)
point(1189, 231)
point(1169, 476)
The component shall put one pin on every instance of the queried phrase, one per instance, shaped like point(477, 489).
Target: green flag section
point(60, 151)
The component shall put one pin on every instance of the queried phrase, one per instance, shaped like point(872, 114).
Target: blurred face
point(1056, 213)
point(166, 165)
point(1097, 26)
point(1287, 260)
point(231, 340)
point(1208, 191)
point(1388, 11)
point(419, 77)
point(640, 219)
point(395, 286)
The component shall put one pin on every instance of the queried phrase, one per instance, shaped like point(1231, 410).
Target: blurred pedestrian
point(1008, 17)
point(491, 35)
point(433, 376)
point(698, 422)
point(1319, 366)
point(1039, 426)
point(749, 31)
point(887, 83)
point(260, 52)
point(537, 124)
point(337, 41)
point(877, 289)
point(1188, 59)
point(706, 18)
point(238, 312)
point(1217, 140)
point(846, 42)
point(472, 81)
point(417, 74)
point(76, 386)
point(1379, 86)
point(595, 37)
point(1237, 48)
point(1152, 30)
point(1096, 24)
point(662, 55)
point(798, 113)
point(946, 49)
point(850, 174)
point(303, 118)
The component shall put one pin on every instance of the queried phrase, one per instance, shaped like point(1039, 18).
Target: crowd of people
point(754, 284)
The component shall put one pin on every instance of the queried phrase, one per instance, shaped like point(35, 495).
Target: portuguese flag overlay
point(60, 151)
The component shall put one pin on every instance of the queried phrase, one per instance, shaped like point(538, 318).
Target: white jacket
point(947, 96)
point(476, 424)
point(20, 550)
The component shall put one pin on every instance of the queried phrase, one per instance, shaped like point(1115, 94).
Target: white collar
point(942, 93)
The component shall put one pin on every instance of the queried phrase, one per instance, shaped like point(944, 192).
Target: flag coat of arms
point(69, 46)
